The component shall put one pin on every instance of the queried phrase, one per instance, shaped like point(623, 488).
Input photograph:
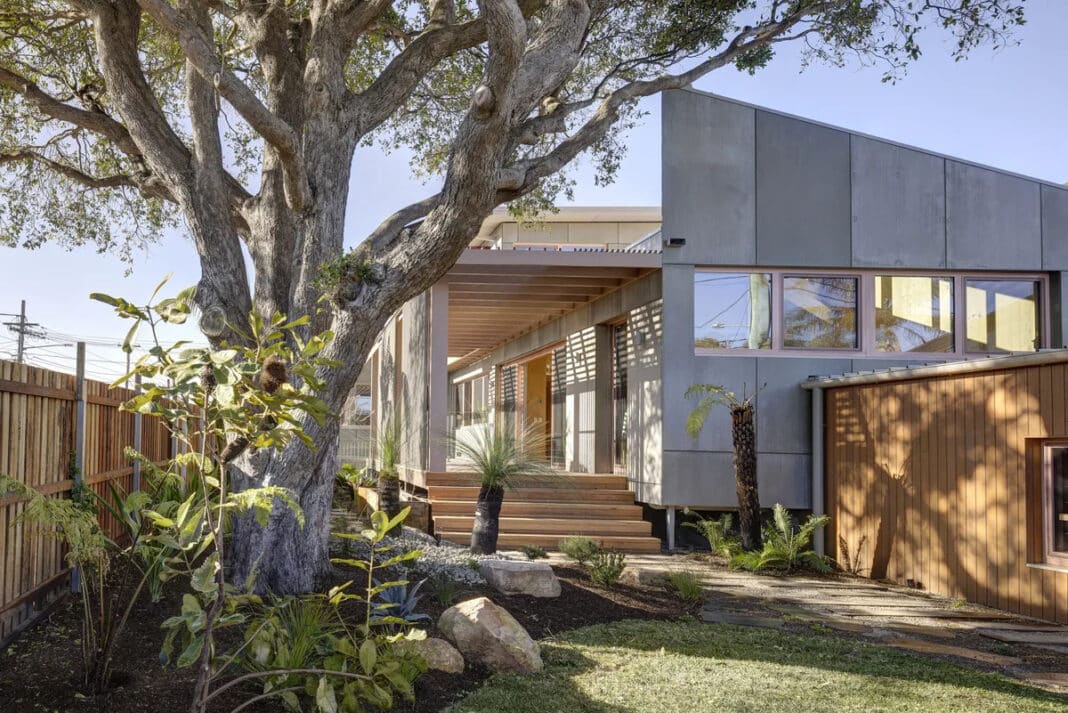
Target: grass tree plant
point(500, 459)
point(388, 460)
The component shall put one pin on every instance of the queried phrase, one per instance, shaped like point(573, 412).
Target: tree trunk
point(389, 494)
point(282, 557)
point(743, 434)
point(487, 520)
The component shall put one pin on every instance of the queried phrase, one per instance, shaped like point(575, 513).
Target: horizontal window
point(819, 312)
point(913, 314)
point(732, 310)
point(1003, 316)
point(868, 312)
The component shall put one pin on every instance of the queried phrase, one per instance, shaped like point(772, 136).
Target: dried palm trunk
point(743, 434)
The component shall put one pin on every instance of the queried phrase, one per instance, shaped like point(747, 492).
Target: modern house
point(786, 249)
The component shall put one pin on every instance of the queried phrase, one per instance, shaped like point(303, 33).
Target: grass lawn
point(664, 667)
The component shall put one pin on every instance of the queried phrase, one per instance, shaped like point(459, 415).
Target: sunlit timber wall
point(751, 190)
point(937, 481)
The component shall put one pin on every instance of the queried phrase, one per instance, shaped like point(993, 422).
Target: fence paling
point(42, 422)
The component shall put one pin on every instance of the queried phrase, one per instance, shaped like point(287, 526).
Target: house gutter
point(951, 368)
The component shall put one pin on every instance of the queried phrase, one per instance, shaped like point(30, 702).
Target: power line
point(22, 328)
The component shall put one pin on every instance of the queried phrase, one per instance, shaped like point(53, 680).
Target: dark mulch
point(39, 671)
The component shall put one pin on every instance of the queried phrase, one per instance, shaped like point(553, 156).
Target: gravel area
point(439, 559)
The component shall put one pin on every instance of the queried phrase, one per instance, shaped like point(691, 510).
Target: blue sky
point(1007, 109)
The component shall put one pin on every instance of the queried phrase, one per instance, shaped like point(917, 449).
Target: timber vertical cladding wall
point(37, 437)
point(938, 480)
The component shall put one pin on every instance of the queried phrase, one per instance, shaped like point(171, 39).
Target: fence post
point(79, 441)
point(138, 424)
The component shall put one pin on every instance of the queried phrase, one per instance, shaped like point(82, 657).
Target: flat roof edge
point(881, 139)
point(560, 258)
point(951, 368)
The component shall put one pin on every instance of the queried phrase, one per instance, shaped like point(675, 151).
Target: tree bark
point(743, 434)
point(389, 494)
point(487, 520)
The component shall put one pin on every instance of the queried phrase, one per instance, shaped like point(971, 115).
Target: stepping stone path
point(885, 614)
point(715, 616)
point(927, 647)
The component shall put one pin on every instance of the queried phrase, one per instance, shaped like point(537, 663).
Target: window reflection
point(820, 312)
point(913, 314)
point(1002, 316)
point(732, 310)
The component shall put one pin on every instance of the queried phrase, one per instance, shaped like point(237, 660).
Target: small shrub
point(533, 552)
point(785, 549)
point(718, 534)
point(473, 563)
point(445, 589)
point(685, 585)
point(607, 567)
point(579, 549)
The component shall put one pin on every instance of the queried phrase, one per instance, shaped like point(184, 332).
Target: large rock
point(439, 654)
point(487, 633)
point(535, 579)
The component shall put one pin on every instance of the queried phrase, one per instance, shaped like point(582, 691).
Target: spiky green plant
point(607, 567)
point(578, 548)
point(389, 447)
point(685, 585)
point(501, 460)
point(718, 534)
point(786, 549)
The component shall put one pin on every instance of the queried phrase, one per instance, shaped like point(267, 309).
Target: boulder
point(439, 654)
point(535, 579)
point(487, 633)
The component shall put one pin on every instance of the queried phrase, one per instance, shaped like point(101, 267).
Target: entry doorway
point(532, 395)
point(537, 399)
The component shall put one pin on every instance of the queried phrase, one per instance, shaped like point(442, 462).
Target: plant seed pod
point(207, 378)
point(273, 374)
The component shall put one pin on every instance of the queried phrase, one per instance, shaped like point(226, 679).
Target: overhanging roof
point(496, 296)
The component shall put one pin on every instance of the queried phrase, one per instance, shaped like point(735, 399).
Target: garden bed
point(38, 672)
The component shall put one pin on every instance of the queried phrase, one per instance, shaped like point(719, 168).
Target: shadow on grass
point(628, 666)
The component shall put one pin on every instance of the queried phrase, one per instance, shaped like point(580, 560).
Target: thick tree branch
point(96, 121)
point(74, 174)
point(200, 53)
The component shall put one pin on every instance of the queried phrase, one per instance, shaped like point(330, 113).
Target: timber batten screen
point(944, 482)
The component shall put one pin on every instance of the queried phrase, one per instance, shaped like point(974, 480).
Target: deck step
point(549, 526)
point(541, 495)
point(523, 508)
point(580, 481)
point(551, 542)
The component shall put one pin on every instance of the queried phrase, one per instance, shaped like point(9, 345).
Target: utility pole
point(22, 327)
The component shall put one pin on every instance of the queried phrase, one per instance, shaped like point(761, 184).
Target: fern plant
point(786, 549)
point(718, 534)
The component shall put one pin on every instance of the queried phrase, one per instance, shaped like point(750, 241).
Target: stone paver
point(714, 616)
point(1056, 638)
point(928, 647)
point(1047, 678)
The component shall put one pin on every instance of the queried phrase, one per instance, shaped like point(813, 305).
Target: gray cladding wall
point(745, 186)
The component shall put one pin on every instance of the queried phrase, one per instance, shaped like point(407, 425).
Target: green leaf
point(192, 652)
point(127, 343)
point(324, 696)
point(160, 287)
point(368, 656)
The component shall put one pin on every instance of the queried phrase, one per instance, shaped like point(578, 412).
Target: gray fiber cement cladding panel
point(703, 479)
point(735, 374)
point(803, 201)
point(1054, 228)
point(784, 409)
point(708, 179)
point(899, 206)
point(993, 220)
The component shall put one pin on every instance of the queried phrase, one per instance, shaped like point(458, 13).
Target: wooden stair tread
point(506, 540)
point(526, 508)
point(548, 526)
point(555, 480)
point(454, 492)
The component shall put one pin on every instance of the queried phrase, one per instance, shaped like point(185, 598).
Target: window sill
point(1048, 567)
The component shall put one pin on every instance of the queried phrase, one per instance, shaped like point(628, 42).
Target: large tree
point(239, 119)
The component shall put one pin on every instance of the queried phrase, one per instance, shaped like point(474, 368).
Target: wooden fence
point(54, 429)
